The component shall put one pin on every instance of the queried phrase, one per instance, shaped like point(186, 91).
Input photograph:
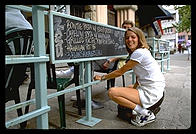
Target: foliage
point(184, 23)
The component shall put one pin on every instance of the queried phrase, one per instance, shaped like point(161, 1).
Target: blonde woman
point(150, 83)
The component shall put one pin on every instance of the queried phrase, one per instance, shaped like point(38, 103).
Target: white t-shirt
point(149, 76)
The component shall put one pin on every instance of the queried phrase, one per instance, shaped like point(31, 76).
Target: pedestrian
point(150, 82)
point(179, 48)
point(188, 46)
point(183, 48)
point(125, 25)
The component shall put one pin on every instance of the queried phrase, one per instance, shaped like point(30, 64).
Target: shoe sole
point(156, 110)
point(141, 125)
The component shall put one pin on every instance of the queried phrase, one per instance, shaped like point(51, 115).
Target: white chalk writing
point(77, 39)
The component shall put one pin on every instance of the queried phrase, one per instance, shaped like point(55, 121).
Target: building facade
point(107, 14)
point(115, 15)
point(169, 31)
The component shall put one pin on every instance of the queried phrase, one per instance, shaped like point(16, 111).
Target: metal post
point(40, 68)
point(88, 119)
point(153, 53)
point(133, 78)
point(162, 65)
point(87, 79)
point(81, 71)
point(168, 61)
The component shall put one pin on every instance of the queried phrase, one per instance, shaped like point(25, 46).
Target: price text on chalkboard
point(75, 39)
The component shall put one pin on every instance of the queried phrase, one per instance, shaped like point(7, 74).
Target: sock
point(141, 110)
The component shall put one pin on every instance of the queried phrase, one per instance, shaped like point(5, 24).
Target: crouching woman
point(150, 82)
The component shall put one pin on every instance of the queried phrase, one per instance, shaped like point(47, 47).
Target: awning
point(181, 40)
point(149, 13)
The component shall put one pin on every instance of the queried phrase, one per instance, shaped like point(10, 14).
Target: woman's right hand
point(97, 77)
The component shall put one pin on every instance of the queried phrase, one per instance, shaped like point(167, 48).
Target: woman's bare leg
point(127, 97)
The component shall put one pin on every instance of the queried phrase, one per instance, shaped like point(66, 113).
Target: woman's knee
point(112, 92)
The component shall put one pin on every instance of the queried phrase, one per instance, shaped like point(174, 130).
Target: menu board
point(76, 39)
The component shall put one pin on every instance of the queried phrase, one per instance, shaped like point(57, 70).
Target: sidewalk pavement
point(175, 110)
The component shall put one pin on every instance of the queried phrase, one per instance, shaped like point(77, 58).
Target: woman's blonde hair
point(141, 38)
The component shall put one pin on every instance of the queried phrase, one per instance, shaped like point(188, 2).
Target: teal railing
point(160, 50)
point(39, 59)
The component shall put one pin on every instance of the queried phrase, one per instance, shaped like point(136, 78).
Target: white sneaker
point(142, 120)
point(134, 112)
point(96, 105)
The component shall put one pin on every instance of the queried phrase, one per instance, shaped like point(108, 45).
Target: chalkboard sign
point(76, 38)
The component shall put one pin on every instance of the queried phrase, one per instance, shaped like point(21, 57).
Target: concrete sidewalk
point(175, 110)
